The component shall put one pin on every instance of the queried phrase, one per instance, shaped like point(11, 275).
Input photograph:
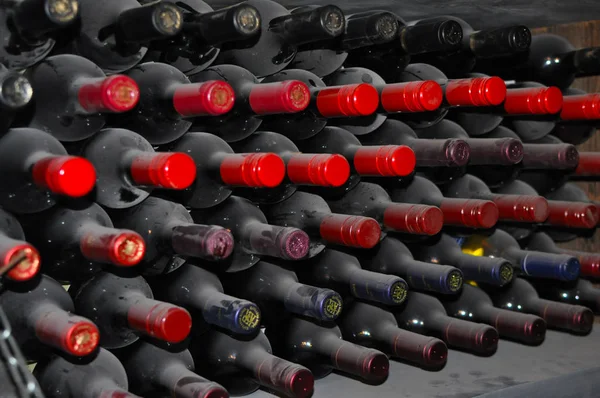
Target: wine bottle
point(21, 257)
point(29, 29)
point(451, 152)
point(584, 126)
point(128, 169)
point(219, 170)
point(413, 97)
point(115, 34)
point(73, 97)
point(101, 377)
point(371, 200)
point(169, 102)
point(15, 94)
point(579, 292)
point(582, 213)
point(156, 371)
point(123, 308)
point(362, 29)
point(426, 315)
point(311, 214)
point(472, 304)
point(276, 290)
point(589, 262)
point(490, 151)
point(374, 327)
point(327, 104)
point(478, 92)
point(42, 313)
point(171, 236)
point(243, 366)
point(201, 293)
point(566, 62)
point(37, 170)
point(512, 208)
point(302, 169)
point(391, 256)
point(203, 32)
point(343, 273)
point(470, 213)
point(588, 168)
point(446, 250)
point(520, 296)
point(254, 237)
point(376, 160)
point(281, 33)
point(79, 241)
point(327, 351)
point(252, 100)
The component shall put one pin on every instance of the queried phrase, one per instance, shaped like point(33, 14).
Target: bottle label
point(398, 293)
point(333, 307)
point(249, 318)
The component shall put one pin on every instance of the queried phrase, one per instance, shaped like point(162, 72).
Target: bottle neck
point(495, 151)
point(411, 347)
point(103, 388)
point(37, 21)
point(271, 240)
point(505, 41)
point(493, 270)
point(310, 26)
point(584, 61)
point(310, 301)
point(119, 247)
point(231, 313)
point(113, 94)
point(368, 29)
point(209, 242)
point(181, 382)
point(440, 153)
point(436, 36)
point(167, 170)
point(549, 156)
point(562, 316)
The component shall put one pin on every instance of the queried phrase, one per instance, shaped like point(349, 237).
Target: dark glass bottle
point(169, 103)
point(253, 99)
point(374, 327)
point(580, 212)
point(73, 97)
point(302, 169)
point(520, 296)
point(114, 34)
point(579, 292)
point(171, 235)
point(445, 249)
point(311, 214)
point(20, 256)
point(42, 313)
point(426, 315)
point(201, 293)
point(79, 241)
point(362, 29)
point(321, 349)
point(243, 366)
point(37, 170)
point(219, 170)
point(281, 33)
point(254, 237)
point(29, 29)
point(391, 256)
point(511, 208)
point(327, 104)
point(123, 308)
point(128, 169)
point(15, 94)
point(589, 261)
point(203, 32)
point(154, 371)
point(276, 290)
point(472, 304)
point(470, 213)
point(371, 200)
point(101, 377)
point(343, 273)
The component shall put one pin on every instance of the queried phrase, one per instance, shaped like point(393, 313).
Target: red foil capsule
point(65, 175)
point(350, 100)
point(289, 96)
point(589, 263)
point(533, 101)
point(71, 333)
point(163, 170)
point(413, 219)
point(472, 213)
point(522, 208)
point(572, 214)
point(478, 91)
point(581, 107)
point(351, 231)
point(211, 98)
point(114, 94)
point(258, 170)
point(27, 261)
point(419, 96)
point(589, 164)
point(384, 160)
point(160, 320)
point(324, 170)
point(113, 246)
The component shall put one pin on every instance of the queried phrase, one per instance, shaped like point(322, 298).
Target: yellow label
point(249, 317)
point(399, 292)
point(333, 306)
point(473, 283)
point(474, 246)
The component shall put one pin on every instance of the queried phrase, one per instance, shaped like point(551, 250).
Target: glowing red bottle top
point(70, 333)
point(589, 164)
point(163, 170)
point(160, 320)
point(119, 247)
point(289, 96)
point(418, 96)
point(114, 94)
point(581, 107)
point(324, 170)
point(472, 213)
point(522, 208)
point(351, 231)
point(385, 160)
point(351, 100)
point(533, 101)
point(27, 260)
point(258, 170)
point(478, 91)
point(572, 214)
point(211, 98)
point(65, 175)
point(413, 219)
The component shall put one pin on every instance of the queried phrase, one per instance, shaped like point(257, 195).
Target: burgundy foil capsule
point(472, 213)
point(350, 100)
point(119, 247)
point(581, 107)
point(572, 214)
point(413, 219)
point(24, 260)
point(290, 96)
point(318, 169)
point(350, 231)
point(211, 98)
point(64, 175)
point(533, 101)
point(418, 96)
point(114, 94)
point(589, 164)
point(478, 91)
point(384, 160)
point(522, 208)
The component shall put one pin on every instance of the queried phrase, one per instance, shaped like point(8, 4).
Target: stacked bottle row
point(252, 197)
